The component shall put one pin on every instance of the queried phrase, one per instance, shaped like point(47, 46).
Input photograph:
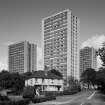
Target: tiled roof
point(42, 74)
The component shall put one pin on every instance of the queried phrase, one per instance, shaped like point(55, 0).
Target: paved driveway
point(76, 99)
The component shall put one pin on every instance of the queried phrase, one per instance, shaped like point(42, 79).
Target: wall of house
point(48, 84)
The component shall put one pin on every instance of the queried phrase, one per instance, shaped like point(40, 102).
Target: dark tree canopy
point(96, 77)
point(72, 81)
point(72, 84)
point(100, 79)
point(56, 72)
point(89, 76)
point(11, 80)
point(101, 53)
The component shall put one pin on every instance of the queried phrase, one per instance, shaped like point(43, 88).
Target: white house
point(46, 81)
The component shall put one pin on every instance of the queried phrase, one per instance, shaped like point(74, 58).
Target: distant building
point(60, 34)
point(22, 57)
point(88, 59)
point(46, 82)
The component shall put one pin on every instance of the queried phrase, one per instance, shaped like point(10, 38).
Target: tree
point(73, 85)
point(46, 68)
point(5, 79)
point(56, 72)
point(89, 77)
point(100, 79)
point(101, 53)
point(17, 81)
point(71, 81)
point(11, 80)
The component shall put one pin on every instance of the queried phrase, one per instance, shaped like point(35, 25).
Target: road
point(82, 98)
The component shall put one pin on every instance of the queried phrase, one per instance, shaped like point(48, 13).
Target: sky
point(21, 20)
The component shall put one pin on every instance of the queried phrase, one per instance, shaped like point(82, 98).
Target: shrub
point(43, 99)
point(50, 93)
point(4, 98)
point(20, 102)
point(72, 90)
point(28, 92)
point(59, 93)
point(53, 93)
point(50, 97)
point(14, 92)
point(6, 103)
point(68, 92)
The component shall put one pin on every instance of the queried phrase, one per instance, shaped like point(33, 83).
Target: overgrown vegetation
point(89, 77)
point(13, 81)
point(92, 77)
point(73, 86)
point(28, 92)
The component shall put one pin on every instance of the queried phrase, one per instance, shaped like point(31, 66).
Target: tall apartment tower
point(88, 59)
point(60, 33)
point(22, 57)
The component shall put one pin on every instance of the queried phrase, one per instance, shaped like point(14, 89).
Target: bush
point(59, 93)
point(53, 93)
point(68, 92)
point(4, 98)
point(71, 91)
point(21, 102)
point(50, 97)
point(6, 103)
point(28, 92)
point(43, 99)
point(50, 93)
point(14, 92)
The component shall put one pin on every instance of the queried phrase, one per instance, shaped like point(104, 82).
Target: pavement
point(82, 98)
point(96, 98)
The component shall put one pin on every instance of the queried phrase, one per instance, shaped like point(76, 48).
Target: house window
point(42, 80)
point(31, 81)
point(36, 80)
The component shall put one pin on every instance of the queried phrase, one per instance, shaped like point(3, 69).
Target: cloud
point(8, 43)
point(39, 59)
point(96, 42)
point(3, 63)
point(3, 66)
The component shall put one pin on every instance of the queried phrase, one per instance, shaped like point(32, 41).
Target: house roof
point(43, 74)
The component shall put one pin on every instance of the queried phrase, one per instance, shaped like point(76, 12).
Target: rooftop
point(44, 75)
